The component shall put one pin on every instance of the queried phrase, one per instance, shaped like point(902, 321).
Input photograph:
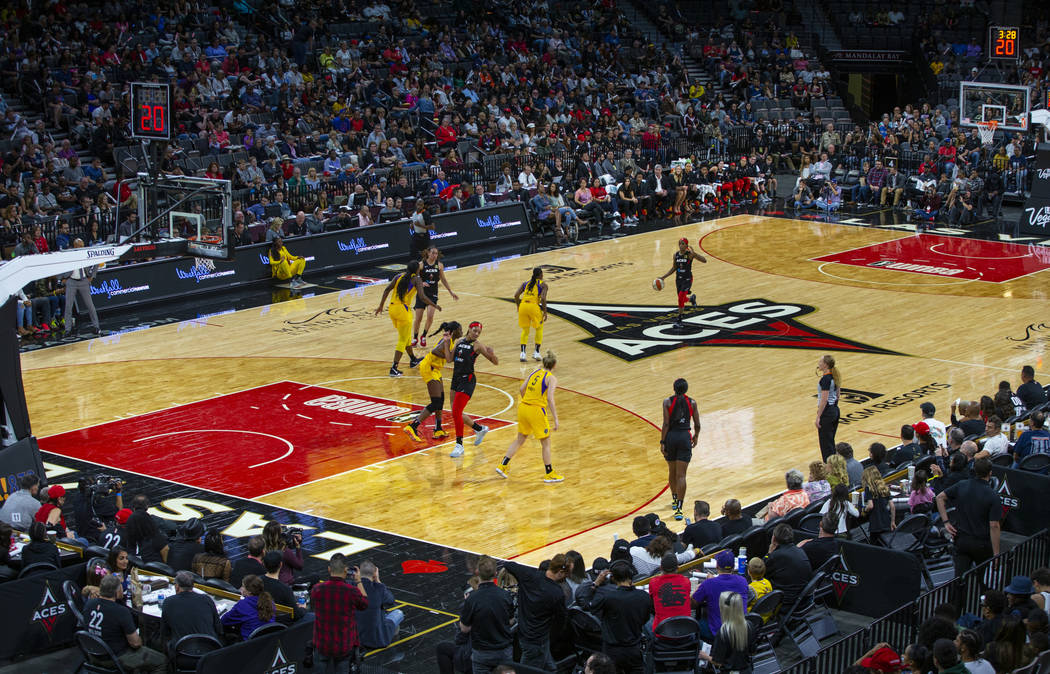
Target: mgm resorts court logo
point(632, 332)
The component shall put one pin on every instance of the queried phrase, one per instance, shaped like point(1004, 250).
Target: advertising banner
point(115, 287)
point(1026, 510)
point(37, 617)
point(1035, 217)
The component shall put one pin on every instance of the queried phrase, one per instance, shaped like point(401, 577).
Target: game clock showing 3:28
point(1004, 43)
point(150, 111)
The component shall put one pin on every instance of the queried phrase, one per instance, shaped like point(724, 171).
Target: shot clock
point(150, 111)
point(1004, 43)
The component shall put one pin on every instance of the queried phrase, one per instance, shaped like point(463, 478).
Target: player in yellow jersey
point(532, 310)
point(536, 415)
point(405, 286)
point(430, 370)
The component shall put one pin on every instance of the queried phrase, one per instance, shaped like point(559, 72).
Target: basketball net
point(987, 131)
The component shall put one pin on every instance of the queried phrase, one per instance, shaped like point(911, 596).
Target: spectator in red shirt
point(446, 133)
point(39, 240)
point(946, 153)
point(334, 603)
point(670, 591)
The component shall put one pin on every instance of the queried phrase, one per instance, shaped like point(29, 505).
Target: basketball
point(658, 284)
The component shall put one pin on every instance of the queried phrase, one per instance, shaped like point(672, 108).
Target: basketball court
point(289, 405)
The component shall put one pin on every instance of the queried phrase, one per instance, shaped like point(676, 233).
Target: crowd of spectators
point(952, 482)
point(331, 108)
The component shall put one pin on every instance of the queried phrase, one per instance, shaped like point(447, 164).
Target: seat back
point(220, 584)
point(810, 524)
point(731, 543)
point(769, 604)
point(268, 628)
point(1004, 460)
point(1035, 463)
point(756, 540)
point(98, 657)
point(586, 630)
point(74, 600)
point(159, 567)
point(677, 630)
point(36, 568)
point(191, 648)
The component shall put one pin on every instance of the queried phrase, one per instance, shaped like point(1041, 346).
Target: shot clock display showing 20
point(150, 111)
point(1004, 43)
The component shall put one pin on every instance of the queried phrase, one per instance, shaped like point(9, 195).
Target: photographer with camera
point(287, 541)
point(830, 197)
point(335, 603)
point(98, 501)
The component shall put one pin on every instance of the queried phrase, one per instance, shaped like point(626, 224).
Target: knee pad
point(436, 404)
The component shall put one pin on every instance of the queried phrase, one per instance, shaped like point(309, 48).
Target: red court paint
point(255, 442)
point(947, 257)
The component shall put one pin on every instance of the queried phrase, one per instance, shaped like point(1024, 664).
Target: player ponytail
point(550, 360)
point(829, 362)
point(680, 386)
point(451, 327)
point(537, 274)
point(405, 282)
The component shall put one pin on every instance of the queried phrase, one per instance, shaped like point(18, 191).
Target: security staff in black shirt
point(486, 615)
point(975, 523)
point(541, 608)
point(624, 611)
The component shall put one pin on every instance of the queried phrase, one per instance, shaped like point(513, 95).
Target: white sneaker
point(457, 451)
point(522, 358)
point(480, 435)
point(535, 356)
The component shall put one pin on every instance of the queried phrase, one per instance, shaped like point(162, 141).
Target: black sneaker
point(692, 299)
point(394, 372)
point(414, 362)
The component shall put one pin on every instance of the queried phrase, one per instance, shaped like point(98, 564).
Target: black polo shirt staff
point(488, 612)
point(975, 521)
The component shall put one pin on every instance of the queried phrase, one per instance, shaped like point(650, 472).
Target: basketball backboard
point(1006, 104)
point(184, 207)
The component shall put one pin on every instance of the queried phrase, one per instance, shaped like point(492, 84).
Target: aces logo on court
point(632, 332)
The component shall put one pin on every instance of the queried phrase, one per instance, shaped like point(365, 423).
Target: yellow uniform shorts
point(429, 370)
point(529, 315)
point(532, 420)
point(402, 320)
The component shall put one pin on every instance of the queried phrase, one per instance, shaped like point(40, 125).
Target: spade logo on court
point(632, 332)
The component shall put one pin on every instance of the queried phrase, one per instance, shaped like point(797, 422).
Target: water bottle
point(741, 563)
point(911, 473)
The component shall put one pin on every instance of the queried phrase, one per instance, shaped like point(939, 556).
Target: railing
point(901, 627)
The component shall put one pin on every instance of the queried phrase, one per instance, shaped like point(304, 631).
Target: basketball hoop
point(987, 131)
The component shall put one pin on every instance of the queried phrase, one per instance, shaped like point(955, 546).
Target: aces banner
point(1035, 218)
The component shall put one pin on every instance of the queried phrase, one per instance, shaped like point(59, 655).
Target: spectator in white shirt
point(994, 441)
point(526, 178)
point(822, 169)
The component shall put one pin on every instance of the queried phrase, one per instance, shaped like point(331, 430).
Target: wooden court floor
point(909, 319)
